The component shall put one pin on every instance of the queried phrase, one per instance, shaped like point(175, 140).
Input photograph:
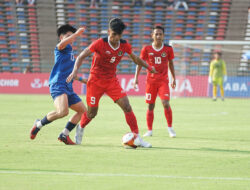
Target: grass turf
point(211, 151)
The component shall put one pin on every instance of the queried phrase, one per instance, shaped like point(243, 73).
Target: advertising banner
point(30, 83)
point(188, 86)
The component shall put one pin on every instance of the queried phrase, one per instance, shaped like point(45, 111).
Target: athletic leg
point(215, 84)
point(222, 92)
point(150, 116)
point(221, 89)
point(79, 108)
point(76, 104)
point(131, 119)
point(95, 90)
point(164, 94)
point(214, 92)
point(115, 91)
point(151, 94)
point(169, 117)
point(129, 114)
point(168, 112)
point(61, 105)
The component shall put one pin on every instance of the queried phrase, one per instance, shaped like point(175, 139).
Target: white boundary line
point(122, 175)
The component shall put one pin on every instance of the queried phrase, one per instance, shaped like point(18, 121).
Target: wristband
point(149, 68)
point(80, 79)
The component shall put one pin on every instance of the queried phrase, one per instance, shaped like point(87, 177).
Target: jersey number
point(72, 56)
point(92, 100)
point(157, 60)
point(148, 96)
point(112, 60)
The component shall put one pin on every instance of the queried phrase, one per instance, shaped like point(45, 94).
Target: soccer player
point(107, 54)
point(62, 92)
point(217, 75)
point(159, 56)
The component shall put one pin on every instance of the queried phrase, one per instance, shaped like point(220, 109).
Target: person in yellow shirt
point(217, 75)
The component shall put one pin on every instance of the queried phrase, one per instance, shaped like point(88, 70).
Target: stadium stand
point(204, 20)
point(19, 39)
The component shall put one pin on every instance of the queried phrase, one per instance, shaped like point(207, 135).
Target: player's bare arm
point(141, 63)
point(171, 67)
point(137, 73)
point(70, 39)
point(85, 53)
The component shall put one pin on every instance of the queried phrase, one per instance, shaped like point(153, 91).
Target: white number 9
point(92, 100)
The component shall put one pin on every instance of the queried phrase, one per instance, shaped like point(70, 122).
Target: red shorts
point(96, 87)
point(160, 88)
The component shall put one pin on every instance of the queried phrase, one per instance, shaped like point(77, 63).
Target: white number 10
point(157, 60)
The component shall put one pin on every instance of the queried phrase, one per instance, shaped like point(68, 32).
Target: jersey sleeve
point(95, 45)
point(128, 49)
point(171, 53)
point(144, 54)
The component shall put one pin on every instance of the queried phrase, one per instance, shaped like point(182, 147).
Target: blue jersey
point(64, 64)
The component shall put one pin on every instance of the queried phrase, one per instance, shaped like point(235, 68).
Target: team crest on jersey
point(163, 54)
point(120, 53)
point(108, 52)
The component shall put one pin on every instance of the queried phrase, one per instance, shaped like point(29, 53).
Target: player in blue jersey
point(62, 92)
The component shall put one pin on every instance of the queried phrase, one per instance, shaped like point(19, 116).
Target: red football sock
point(168, 115)
point(132, 122)
point(84, 120)
point(150, 119)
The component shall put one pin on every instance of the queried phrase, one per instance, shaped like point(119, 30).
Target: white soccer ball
point(130, 140)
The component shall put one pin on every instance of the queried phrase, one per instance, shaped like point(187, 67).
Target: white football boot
point(79, 134)
point(143, 143)
point(148, 134)
point(171, 132)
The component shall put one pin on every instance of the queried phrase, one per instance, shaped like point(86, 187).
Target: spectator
point(137, 3)
point(27, 69)
point(19, 2)
point(149, 2)
point(94, 4)
point(30, 2)
point(181, 2)
point(170, 4)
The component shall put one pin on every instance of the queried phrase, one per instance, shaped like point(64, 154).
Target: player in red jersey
point(160, 56)
point(108, 52)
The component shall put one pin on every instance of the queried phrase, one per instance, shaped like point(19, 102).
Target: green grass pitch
point(211, 151)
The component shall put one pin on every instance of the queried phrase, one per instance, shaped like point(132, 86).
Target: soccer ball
point(130, 140)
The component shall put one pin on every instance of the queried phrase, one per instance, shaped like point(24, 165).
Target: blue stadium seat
point(203, 8)
point(83, 6)
point(3, 51)
point(3, 42)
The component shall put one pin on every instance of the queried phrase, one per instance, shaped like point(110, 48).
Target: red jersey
point(106, 58)
point(159, 59)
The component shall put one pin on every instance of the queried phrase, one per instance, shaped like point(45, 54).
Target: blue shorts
point(57, 89)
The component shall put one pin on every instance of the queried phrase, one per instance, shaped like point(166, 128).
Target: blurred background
point(28, 33)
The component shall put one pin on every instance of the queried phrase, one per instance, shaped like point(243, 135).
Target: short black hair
point(117, 25)
point(65, 28)
point(159, 27)
point(218, 53)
